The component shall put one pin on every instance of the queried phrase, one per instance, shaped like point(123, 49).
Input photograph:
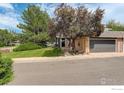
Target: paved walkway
point(49, 59)
point(6, 49)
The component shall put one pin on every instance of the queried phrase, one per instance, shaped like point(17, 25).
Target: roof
point(113, 34)
point(107, 34)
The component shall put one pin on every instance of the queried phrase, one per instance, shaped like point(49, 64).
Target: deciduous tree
point(74, 22)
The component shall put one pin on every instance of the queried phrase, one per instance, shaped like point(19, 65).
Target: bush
point(27, 46)
point(53, 52)
point(2, 44)
point(6, 72)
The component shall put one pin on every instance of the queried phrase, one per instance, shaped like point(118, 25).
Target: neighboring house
point(108, 41)
point(15, 43)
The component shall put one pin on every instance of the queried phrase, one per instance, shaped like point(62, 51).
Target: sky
point(10, 13)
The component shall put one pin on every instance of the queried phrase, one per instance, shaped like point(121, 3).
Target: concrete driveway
point(97, 71)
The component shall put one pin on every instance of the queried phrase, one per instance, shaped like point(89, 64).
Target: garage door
point(102, 45)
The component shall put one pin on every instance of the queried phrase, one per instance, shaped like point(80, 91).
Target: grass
point(44, 52)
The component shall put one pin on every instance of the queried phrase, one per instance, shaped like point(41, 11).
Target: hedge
point(27, 46)
point(6, 72)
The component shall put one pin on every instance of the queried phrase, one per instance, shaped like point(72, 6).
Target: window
point(63, 42)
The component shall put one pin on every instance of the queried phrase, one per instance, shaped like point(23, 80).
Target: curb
point(66, 58)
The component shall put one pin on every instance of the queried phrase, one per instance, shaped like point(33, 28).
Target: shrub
point(6, 72)
point(27, 46)
point(53, 52)
point(2, 44)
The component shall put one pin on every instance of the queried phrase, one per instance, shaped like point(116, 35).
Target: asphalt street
point(99, 71)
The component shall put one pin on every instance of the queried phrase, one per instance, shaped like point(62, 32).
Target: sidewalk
point(66, 58)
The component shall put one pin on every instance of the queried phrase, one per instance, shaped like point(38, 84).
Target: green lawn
point(44, 52)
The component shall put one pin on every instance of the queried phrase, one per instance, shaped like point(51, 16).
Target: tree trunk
point(72, 45)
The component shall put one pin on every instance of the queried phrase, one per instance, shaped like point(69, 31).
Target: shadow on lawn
point(53, 52)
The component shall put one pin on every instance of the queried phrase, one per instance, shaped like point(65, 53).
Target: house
point(108, 41)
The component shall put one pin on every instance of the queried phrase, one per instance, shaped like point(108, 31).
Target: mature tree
point(65, 19)
point(65, 22)
point(115, 26)
point(72, 23)
point(35, 23)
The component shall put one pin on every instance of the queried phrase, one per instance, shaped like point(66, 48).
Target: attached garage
point(108, 41)
point(102, 45)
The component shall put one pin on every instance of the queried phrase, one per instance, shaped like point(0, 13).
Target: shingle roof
point(113, 34)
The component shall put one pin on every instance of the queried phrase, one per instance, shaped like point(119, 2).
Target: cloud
point(9, 18)
point(7, 6)
point(8, 21)
point(49, 7)
point(11, 15)
point(113, 11)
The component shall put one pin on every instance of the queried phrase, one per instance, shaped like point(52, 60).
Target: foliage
point(115, 26)
point(89, 23)
point(65, 22)
point(65, 19)
point(44, 52)
point(6, 72)
point(2, 44)
point(72, 22)
point(35, 24)
point(6, 37)
point(25, 37)
point(40, 39)
point(52, 29)
point(27, 46)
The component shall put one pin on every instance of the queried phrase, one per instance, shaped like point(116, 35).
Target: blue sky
point(10, 14)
